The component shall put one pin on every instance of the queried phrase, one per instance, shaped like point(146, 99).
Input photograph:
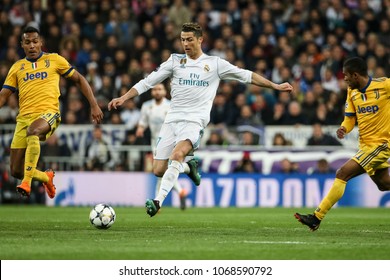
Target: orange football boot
point(24, 189)
point(49, 186)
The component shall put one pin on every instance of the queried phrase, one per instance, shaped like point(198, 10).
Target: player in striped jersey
point(368, 105)
point(35, 79)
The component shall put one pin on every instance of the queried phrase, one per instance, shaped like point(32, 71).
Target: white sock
point(186, 168)
point(158, 184)
point(169, 179)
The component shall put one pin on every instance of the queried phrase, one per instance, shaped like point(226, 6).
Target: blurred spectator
point(309, 105)
point(334, 106)
point(133, 158)
point(108, 67)
point(9, 112)
point(262, 110)
point(115, 118)
point(279, 114)
point(246, 165)
point(235, 105)
point(319, 138)
point(97, 153)
point(178, 14)
point(321, 115)
point(384, 32)
point(294, 115)
point(219, 112)
point(307, 79)
point(130, 114)
point(323, 167)
point(329, 81)
point(99, 38)
point(76, 105)
point(280, 140)
point(17, 14)
point(247, 117)
point(288, 167)
point(54, 147)
point(120, 62)
point(93, 76)
point(69, 47)
point(70, 118)
point(89, 26)
point(247, 138)
point(5, 26)
point(219, 48)
point(106, 92)
point(215, 139)
point(83, 56)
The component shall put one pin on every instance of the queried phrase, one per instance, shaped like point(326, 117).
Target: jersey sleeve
point(387, 87)
point(63, 67)
point(11, 81)
point(157, 76)
point(228, 71)
point(350, 110)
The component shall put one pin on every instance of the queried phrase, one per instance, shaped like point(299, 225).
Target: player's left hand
point(97, 114)
point(284, 87)
point(341, 131)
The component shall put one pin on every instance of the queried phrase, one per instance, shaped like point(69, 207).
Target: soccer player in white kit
point(195, 78)
point(153, 114)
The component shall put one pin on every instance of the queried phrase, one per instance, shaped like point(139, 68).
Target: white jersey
point(194, 84)
point(153, 116)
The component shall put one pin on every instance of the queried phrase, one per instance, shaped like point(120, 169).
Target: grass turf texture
point(43, 233)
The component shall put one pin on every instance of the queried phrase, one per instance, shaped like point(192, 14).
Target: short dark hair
point(30, 29)
point(356, 65)
point(192, 27)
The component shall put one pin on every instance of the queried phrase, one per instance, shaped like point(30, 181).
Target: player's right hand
point(341, 131)
point(115, 103)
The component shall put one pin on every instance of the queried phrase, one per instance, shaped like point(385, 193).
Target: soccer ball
point(102, 216)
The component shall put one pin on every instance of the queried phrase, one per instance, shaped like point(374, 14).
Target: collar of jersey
point(33, 60)
point(363, 90)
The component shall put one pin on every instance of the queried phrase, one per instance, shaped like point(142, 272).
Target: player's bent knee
point(178, 156)
point(342, 174)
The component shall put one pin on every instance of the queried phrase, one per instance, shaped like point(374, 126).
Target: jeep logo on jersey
point(33, 76)
point(368, 109)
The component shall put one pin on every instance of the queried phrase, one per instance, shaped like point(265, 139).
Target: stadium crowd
point(116, 43)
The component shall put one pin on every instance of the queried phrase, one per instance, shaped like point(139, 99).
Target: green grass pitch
point(64, 233)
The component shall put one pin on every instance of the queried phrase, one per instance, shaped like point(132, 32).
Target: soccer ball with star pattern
point(102, 216)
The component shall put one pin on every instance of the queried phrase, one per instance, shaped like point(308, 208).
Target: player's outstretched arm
point(4, 94)
point(82, 83)
point(117, 102)
point(263, 82)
